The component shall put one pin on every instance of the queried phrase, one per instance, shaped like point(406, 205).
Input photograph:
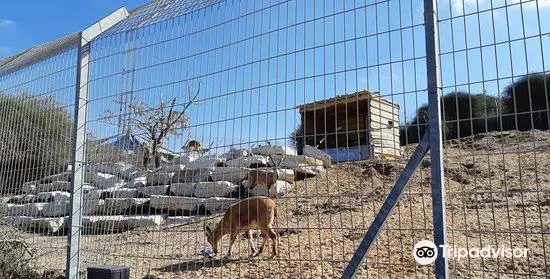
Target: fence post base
point(108, 272)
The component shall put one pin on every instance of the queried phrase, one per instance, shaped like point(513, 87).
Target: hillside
point(497, 189)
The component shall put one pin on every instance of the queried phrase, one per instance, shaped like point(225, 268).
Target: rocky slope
point(497, 193)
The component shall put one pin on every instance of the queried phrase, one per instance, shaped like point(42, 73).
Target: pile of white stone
point(119, 196)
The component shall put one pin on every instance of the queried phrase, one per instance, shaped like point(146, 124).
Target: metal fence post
point(436, 140)
point(79, 137)
point(78, 166)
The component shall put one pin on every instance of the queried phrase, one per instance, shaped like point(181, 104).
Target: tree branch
point(180, 115)
point(187, 105)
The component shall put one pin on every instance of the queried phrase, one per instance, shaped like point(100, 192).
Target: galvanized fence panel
point(340, 69)
point(37, 111)
point(494, 71)
point(182, 101)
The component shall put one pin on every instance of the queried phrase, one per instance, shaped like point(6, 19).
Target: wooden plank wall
point(343, 125)
point(384, 124)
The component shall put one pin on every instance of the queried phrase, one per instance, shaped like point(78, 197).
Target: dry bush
point(15, 258)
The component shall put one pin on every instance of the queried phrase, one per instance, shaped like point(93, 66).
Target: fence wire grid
point(135, 145)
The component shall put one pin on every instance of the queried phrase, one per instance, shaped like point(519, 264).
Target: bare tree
point(155, 122)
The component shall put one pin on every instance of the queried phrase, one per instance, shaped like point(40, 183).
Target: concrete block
point(197, 175)
point(54, 196)
point(120, 223)
point(103, 180)
point(274, 150)
point(46, 225)
point(153, 190)
point(214, 189)
point(54, 186)
point(64, 176)
point(183, 189)
point(217, 204)
point(55, 209)
point(231, 174)
point(120, 169)
point(313, 152)
point(23, 198)
point(175, 203)
point(29, 187)
point(28, 209)
point(250, 161)
point(116, 206)
point(159, 178)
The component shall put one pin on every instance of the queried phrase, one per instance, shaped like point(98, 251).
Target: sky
point(24, 24)
point(256, 61)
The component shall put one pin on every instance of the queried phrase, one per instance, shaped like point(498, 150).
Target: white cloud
point(459, 4)
point(4, 22)
point(533, 4)
point(5, 49)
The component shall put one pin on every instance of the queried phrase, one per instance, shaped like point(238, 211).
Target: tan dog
point(252, 213)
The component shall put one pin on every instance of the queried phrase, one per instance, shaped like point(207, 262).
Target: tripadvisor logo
point(425, 252)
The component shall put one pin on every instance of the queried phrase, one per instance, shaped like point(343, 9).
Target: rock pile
point(119, 196)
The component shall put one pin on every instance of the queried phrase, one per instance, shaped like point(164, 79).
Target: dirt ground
point(497, 193)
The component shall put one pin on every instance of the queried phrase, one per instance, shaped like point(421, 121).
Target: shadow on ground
point(194, 265)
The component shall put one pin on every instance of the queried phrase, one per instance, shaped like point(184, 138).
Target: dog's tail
point(274, 166)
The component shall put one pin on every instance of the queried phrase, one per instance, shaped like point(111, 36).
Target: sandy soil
point(498, 194)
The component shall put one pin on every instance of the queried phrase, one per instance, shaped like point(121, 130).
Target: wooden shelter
point(352, 127)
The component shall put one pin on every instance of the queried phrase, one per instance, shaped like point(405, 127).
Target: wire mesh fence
point(37, 112)
point(494, 71)
point(188, 108)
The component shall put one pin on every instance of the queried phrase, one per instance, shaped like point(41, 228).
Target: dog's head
point(210, 236)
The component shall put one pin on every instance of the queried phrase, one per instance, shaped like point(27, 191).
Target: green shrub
point(297, 139)
point(469, 114)
point(35, 137)
point(527, 101)
point(463, 115)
